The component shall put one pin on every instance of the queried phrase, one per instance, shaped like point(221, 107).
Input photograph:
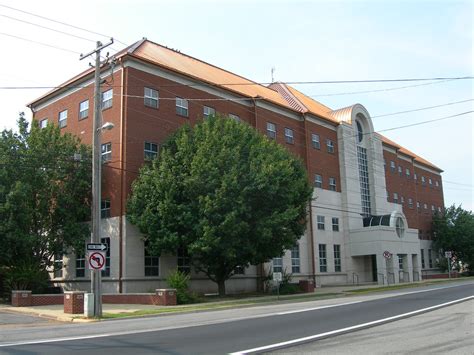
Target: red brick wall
point(44, 300)
point(149, 298)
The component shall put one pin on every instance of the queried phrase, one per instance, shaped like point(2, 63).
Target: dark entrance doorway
point(374, 268)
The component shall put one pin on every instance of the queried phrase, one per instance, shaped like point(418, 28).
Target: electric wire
point(40, 43)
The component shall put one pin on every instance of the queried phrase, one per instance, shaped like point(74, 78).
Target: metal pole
point(449, 267)
point(96, 174)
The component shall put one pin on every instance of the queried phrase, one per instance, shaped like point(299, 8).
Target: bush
point(179, 280)
point(289, 289)
point(25, 276)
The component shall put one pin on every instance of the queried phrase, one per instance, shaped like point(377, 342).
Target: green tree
point(227, 194)
point(454, 231)
point(44, 195)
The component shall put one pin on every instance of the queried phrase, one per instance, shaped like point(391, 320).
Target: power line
point(60, 22)
point(47, 28)
point(40, 43)
point(422, 108)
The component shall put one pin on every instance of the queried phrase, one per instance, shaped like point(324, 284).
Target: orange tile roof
point(405, 151)
point(312, 105)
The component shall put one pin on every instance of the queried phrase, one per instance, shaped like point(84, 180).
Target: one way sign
point(96, 246)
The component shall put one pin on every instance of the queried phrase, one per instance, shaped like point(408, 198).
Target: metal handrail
point(392, 274)
point(383, 277)
point(355, 277)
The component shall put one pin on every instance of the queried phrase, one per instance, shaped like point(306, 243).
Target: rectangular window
point(418, 205)
point(402, 200)
point(400, 170)
point(239, 270)
point(395, 197)
point(425, 206)
point(105, 208)
point(83, 109)
point(62, 119)
point(400, 262)
point(423, 180)
point(392, 166)
point(106, 152)
point(335, 224)
point(364, 180)
point(315, 141)
point(80, 264)
point(330, 145)
point(337, 258)
point(407, 172)
point(152, 262)
point(332, 184)
point(430, 259)
point(410, 202)
point(415, 177)
point(289, 138)
point(183, 260)
point(318, 181)
point(295, 259)
point(436, 183)
point(150, 151)
point(323, 262)
point(181, 107)
point(107, 97)
point(234, 117)
point(439, 209)
point(430, 182)
point(422, 253)
point(277, 264)
point(271, 130)
point(43, 123)
point(58, 265)
point(151, 98)
point(208, 111)
point(433, 209)
point(320, 220)
point(106, 271)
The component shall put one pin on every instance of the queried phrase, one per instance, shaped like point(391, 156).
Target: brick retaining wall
point(454, 275)
point(45, 300)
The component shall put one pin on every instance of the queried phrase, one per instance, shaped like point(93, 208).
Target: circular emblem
point(387, 254)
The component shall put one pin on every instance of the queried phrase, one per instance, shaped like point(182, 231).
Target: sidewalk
point(57, 311)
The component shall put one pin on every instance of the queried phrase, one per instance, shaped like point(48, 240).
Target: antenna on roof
point(273, 72)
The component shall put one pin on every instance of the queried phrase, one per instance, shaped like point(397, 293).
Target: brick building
point(371, 195)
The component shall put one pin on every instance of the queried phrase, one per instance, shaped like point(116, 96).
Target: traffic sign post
point(96, 260)
point(448, 255)
point(387, 254)
point(278, 277)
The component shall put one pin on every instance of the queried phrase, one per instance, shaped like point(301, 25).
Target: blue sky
point(303, 40)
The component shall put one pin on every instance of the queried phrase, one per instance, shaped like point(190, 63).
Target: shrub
point(25, 276)
point(179, 280)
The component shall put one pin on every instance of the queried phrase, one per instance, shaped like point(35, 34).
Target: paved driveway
point(12, 320)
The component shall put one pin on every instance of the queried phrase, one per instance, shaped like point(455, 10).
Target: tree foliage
point(44, 195)
point(454, 231)
point(227, 194)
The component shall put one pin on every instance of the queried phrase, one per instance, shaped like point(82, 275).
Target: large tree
point(454, 231)
point(44, 195)
point(225, 193)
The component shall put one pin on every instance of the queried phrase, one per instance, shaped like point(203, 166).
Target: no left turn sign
point(96, 260)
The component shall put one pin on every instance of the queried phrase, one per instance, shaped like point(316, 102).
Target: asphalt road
point(232, 330)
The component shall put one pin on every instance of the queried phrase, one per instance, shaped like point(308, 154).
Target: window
point(58, 265)
point(277, 264)
point(80, 264)
point(407, 172)
point(239, 270)
point(152, 262)
point(415, 177)
point(425, 206)
point(62, 119)
point(289, 136)
point(208, 111)
point(330, 145)
point(83, 109)
point(433, 209)
point(430, 182)
point(151, 150)
point(400, 262)
point(360, 132)
point(337, 258)
point(402, 200)
point(335, 224)
point(107, 99)
point(234, 117)
point(106, 271)
point(400, 227)
point(315, 141)
point(318, 181)
point(181, 107)
point(384, 164)
point(105, 208)
point(151, 98)
point(422, 253)
point(320, 220)
point(323, 262)
point(439, 209)
point(364, 180)
point(271, 130)
point(43, 123)
point(332, 184)
point(400, 170)
point(106, 152)
point(395, 197)
point(423, 180)
point(418, 205)
point(183, 260)
point(436, 183)
point(410, 202)
point(392, 166)
point(295, 259)
point(430, 259)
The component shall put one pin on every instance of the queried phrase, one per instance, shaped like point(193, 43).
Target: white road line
point(348, 329)
point(143, 331)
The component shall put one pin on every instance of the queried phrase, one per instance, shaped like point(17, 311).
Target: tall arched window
point(363, 171)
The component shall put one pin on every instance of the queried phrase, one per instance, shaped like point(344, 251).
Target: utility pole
point(96, 173)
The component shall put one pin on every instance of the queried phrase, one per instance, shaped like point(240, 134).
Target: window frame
point(320, 222)
point(277, 264)
point(315, 141)
point(105, 208)
point(295, 259)
point(234, 117)
point(182, 107)
point(271, 130)
point(289, 136)
point(335, 224)
point(106, 152)
point(106, 271)
point(107, 99)
point(150, 154)
point(153, 261)
point(323, 261)
point(332, 184)
point(183, 261)
point(80, 264)
point(211, 111)
point(149, 99)
point(337, 258)
point(43, 123)
point(62, 118)
point(83, 112)
point(330, 146)
point(318, 182)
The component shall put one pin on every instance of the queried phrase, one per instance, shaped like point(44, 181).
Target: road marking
point(348, 329)
point(142, 331)
point(316, 308)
